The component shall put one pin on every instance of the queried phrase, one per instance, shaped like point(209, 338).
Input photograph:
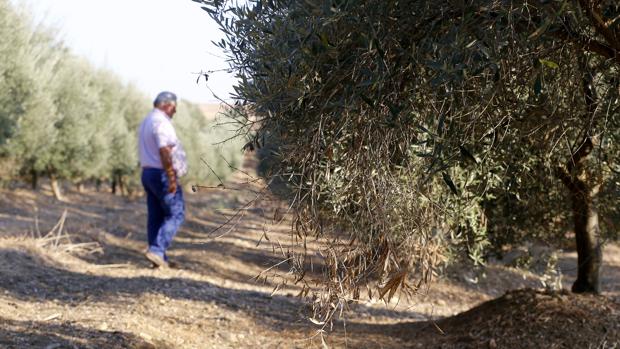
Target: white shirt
point(156, 131)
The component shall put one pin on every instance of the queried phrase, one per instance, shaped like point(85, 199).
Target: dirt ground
point(80, 281)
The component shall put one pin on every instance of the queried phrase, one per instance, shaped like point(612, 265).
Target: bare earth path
point(97, 291)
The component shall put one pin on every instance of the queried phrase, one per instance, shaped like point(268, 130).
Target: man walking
point(163, 161)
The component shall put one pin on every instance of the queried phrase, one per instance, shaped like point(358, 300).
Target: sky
point(155, 44)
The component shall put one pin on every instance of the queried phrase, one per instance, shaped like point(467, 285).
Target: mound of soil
point(524, 318)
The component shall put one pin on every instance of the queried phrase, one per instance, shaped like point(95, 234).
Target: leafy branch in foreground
point(407, 129)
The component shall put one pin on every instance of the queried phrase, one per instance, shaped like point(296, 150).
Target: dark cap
point(164, 97)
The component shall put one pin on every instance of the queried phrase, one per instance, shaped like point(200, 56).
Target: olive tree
point(123, 160)
point(406, 125)
point(62, 117)
point(29, 61)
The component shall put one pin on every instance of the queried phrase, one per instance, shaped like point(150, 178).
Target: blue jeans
point(166, 211)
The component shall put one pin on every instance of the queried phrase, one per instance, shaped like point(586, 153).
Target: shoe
point(171, 264)
point(156, 259)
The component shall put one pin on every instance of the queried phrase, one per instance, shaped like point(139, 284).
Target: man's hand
point(166, 160)
point(172, 187)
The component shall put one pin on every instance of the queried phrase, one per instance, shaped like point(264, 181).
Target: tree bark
point(583, 191)
point(587, 232)
point(56, 188)
point(34, 179)
point(114, 184)
point(121, 186)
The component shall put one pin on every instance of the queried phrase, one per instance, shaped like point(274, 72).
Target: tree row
point(64, 119)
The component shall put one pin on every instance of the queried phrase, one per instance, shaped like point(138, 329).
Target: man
point(163, 161)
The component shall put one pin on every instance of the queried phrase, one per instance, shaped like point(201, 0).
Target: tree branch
point(609, 49)
point(600, 23)
point(589, 44)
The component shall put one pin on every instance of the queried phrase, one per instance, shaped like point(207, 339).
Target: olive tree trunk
point(585, 219)
point(34, 179)
point(114, 184)
point(56, 188)
point(589, 255)
point(583, 190)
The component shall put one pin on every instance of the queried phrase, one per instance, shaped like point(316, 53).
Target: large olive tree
point(407, 125)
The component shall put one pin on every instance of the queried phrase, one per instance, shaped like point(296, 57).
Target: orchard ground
point(79, 280)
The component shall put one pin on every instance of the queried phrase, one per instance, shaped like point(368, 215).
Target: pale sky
point(156, 44)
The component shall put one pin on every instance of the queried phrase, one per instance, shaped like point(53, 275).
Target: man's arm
point(165, 154)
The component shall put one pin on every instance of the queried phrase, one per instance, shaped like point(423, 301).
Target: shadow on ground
point(35, 279)
point(34, 334)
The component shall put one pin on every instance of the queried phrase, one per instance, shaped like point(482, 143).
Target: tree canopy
point(415, 128)
point(63, 118)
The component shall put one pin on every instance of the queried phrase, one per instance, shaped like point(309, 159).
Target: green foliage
point(29, 108)
point(13, 81)
point(62, 117)
point(208, 154)
point(412, 126)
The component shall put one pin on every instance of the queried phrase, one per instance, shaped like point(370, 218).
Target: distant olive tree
point(123, 161)
point(30, 60)
point(409, 125)
point(59, 113)
point(210, 158)
point(63, 118)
